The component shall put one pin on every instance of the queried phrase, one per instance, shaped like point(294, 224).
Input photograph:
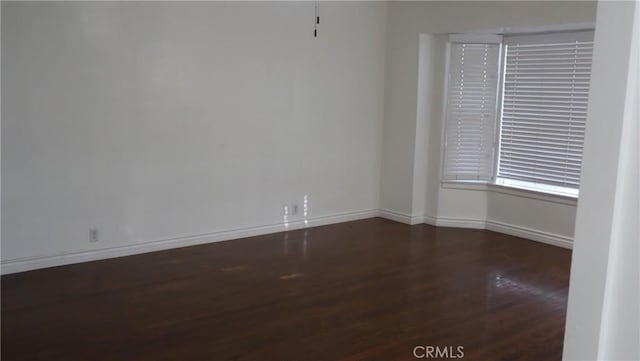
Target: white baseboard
point(532, 234)
point(430, 220)
point(460, 222)
point(501, 227)
point(400, 217)
point(27, 264)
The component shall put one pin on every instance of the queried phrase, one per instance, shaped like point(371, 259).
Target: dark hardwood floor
point(365, 290)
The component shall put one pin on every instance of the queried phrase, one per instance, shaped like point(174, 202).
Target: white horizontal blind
point(544, 107)
point(470, 120)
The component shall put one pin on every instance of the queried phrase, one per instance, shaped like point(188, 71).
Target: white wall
point(553, 215)
point(405, 113)
point(603, 314)
point(158, 120)
point(0, 141)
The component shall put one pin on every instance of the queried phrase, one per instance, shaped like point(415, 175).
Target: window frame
point(500, 105)
point(524, 188)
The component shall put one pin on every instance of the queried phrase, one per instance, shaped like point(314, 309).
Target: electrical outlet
point(294, 208)
point(93, 235)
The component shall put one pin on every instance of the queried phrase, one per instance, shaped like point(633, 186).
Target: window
point(540, 122)
point(471, 109)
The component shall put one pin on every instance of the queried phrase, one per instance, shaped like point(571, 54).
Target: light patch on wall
point(285, 216)
point(305, 209)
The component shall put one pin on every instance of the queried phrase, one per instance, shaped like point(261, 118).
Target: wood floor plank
point(364, 290)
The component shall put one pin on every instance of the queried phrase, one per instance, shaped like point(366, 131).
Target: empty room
point(320, 180)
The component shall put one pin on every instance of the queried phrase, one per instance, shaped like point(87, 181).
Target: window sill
point(511, 190)
point(467, 185)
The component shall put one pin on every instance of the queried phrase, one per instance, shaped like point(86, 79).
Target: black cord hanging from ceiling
point(316, 19)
